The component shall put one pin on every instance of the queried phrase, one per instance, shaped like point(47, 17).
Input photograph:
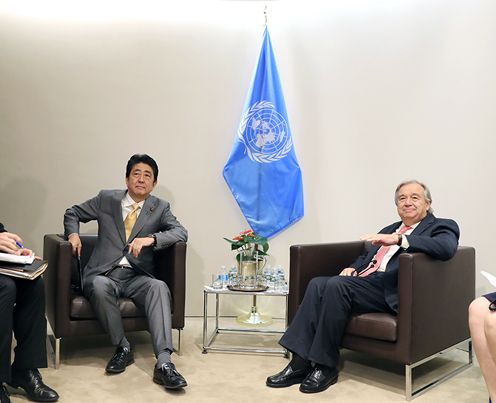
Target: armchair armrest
point(57, 277)
point(313, 260)
point(171, 268)
point(434, 297)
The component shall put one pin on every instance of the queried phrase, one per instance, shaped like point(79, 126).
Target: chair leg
point(178, 349)
point(54, 345)
point(411, 393)
point(408, 382)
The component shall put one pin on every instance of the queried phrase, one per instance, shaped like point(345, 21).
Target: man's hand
point(349, 271)
point(8, 244)
point(139, 243)
point(381, 239)
point(76, 244)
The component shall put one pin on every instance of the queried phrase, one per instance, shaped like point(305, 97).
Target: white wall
point(376, 92)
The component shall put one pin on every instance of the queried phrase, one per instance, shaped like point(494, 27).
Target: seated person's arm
point(83, 212)
point(441, 244)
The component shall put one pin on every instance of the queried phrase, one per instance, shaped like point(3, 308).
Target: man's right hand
point(349, 271)
point(76, 244)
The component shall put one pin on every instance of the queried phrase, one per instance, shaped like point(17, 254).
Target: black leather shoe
point(319, 379)
point(123, 357)
point(168, 376)
point(4, 396)
point(30, 380)
point(288, 376)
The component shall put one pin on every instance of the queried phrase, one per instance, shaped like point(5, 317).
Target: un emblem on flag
point(265, 133)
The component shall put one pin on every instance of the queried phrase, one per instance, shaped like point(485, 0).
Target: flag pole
point(254, 317)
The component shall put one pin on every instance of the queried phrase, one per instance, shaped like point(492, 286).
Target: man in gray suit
point(132, 225)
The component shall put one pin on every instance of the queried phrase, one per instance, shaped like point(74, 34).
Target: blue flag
point(262, 171)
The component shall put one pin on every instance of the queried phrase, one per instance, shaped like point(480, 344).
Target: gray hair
point(427, 192)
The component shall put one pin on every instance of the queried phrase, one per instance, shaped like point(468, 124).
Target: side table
point(208, 339)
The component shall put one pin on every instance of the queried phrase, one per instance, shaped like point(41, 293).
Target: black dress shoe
point(319, 379)
point(168, 376)
point(123, 357)
point(288, 376)
point(4, 396)
point(30, 380)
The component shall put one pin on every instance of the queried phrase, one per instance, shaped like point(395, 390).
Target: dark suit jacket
point(436, 237)
point(154, 218)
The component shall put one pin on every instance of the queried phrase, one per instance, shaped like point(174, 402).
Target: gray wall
point(376, 92)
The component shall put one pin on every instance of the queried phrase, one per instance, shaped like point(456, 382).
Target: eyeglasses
point(492, 306)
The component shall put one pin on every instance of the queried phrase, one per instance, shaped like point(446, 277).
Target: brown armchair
point(433, 301)
point(70, 314)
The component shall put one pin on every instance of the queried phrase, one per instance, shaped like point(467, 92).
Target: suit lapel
point(117, 212)
point(424, 224)
point(148, 207)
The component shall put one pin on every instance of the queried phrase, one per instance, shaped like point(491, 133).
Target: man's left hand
point(381, 239)
point(139, 243)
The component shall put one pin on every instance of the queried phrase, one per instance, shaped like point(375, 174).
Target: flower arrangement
point(249, 245)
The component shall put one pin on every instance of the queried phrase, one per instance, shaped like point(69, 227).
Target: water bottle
point(216, 282)
point(224, 276)
point(233, 276)
point(280, 281)
point(270, 278)
point(266, 275)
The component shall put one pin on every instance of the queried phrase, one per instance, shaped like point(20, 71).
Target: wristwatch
point(400, 239)
point(154, 239)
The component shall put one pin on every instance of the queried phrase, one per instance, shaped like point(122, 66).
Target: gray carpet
point(228, 377)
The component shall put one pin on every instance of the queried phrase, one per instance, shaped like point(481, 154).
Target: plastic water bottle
point(233, 276)
point(269, 276)
point(224, 276)
point(280, 280)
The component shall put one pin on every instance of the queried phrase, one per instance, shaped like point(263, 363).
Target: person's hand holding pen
point(12, 243)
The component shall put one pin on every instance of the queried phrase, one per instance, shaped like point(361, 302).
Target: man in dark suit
point(368, 285)
point(132, 225)
point(22, 312)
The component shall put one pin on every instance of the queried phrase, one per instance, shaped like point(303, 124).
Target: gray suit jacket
point(154, 218)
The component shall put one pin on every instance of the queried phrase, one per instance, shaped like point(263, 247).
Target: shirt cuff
point(404, 242)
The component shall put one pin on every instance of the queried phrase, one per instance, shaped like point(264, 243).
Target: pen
point(19, 245)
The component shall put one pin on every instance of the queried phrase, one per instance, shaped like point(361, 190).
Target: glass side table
point(209, 339)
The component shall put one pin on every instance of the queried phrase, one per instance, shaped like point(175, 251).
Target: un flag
point(262, 171)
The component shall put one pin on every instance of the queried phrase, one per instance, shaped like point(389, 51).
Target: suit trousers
point(22, 312)
point(317, 329)
point(149, 294)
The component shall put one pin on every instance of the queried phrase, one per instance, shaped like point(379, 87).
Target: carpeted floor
point(229, 377)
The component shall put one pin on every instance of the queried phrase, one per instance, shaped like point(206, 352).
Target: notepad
point(9, 257)
point(490, 277)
